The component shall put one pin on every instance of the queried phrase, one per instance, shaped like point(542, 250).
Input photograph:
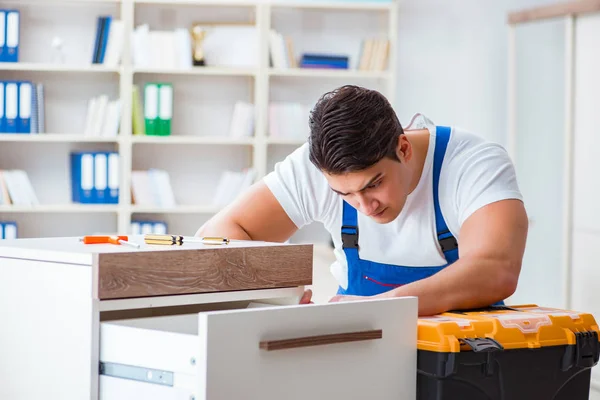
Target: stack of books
point(331, 61)
point(108, 45)
point(143, 227)
point(103, 117)
point(154, 114)
point(281, 50)
point(95, 177)
point(9, 35)
point(16, 189)
point(161, 49)
point(8, 230)
point(374, 55)
point(152, 188)
point(22, 107)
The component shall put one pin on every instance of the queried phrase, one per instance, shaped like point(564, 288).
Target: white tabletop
point(72, 250)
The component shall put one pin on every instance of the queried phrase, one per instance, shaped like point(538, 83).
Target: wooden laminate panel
point(218, 269)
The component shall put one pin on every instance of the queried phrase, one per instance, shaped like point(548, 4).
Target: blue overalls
point(368, 278)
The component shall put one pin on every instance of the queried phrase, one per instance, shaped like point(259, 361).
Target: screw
point(193, 362)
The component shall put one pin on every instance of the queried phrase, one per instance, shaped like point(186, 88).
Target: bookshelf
point(199, 148)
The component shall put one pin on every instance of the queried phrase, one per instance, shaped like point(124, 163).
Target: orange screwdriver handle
point(103, 239)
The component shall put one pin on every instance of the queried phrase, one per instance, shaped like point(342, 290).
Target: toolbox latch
point(585, 352)
point(587, 349)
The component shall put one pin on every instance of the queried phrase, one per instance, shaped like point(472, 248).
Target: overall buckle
point(448, 243)
point(349, 240)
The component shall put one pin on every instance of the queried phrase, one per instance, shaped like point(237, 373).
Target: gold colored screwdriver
point(178, 240)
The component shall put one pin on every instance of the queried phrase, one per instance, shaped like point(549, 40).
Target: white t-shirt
point(474, 173)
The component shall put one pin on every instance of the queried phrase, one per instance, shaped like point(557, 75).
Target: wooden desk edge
point(195, 271)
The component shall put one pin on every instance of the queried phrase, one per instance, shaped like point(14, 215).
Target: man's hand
point(341, 297)
point(306, 297)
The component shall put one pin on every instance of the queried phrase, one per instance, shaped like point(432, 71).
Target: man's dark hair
point(351, 129)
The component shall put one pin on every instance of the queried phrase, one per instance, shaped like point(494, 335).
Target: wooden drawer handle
point(320, 340)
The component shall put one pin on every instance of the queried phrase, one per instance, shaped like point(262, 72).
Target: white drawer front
point(232, 365)
point(372, 369)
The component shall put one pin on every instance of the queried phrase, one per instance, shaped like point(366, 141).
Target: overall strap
point(446, 240)
point(349, 227)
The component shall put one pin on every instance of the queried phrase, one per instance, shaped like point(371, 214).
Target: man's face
point(379, 191)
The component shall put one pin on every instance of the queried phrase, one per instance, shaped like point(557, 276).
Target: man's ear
point(404, 149)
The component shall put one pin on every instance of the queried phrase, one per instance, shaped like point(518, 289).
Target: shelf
point(206, 71)
point(286, 141)
point(54, 138)
point(47, 67)
point(51, 2)
point(228, 3)
point(328, 73)
point(340, 5)
point(336, 5)
point(62, 208)
point(182, 139)
point(183, 209)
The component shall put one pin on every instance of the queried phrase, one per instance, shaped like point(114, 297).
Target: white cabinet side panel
point(47, 331)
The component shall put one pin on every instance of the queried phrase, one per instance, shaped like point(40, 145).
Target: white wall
point(586, 185)
point(452, 62)
point(453, 67)
point(540, 120)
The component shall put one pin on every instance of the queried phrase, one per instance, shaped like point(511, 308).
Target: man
point(401, 205)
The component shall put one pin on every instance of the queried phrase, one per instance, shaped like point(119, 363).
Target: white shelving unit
point(199, 148)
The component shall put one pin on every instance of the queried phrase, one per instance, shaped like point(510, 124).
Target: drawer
point(350, 350)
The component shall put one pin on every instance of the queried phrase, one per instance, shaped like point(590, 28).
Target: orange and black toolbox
point(506, 353)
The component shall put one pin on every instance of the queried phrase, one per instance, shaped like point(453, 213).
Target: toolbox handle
point(320, 340)
point(490, 308)
point(482, 344)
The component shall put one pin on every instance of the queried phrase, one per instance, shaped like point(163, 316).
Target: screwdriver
point(178, 240)
point(108, 239)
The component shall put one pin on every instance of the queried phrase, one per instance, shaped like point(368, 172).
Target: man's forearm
point(468, 283)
